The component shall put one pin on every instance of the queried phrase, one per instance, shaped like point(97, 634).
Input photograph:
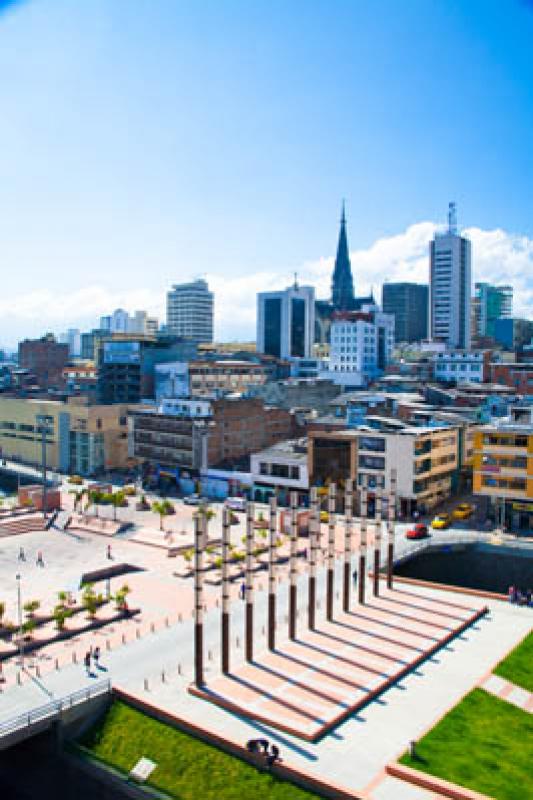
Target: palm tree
point(117, 499)
point(94, 498)
point(163, 508)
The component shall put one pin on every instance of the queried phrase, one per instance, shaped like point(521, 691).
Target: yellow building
point(80, 438)
point(503, 469)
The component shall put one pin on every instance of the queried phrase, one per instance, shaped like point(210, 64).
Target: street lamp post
point(19, 610)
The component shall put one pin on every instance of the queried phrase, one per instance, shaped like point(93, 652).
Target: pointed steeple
point(342, 294)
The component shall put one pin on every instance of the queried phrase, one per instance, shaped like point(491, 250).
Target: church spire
point(342, 294)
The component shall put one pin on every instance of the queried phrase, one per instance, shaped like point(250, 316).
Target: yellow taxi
point(463, 511)
point(441, 521)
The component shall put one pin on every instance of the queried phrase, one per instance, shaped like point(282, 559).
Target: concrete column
point(330, 588)
point(362, 543)
point(348, 520)
point(314, 540)
point(390, 527)
point(199, 599)
point(272, 574)
point(293, 573)
point(225, 619)
point(249, 619)
point(377, 540)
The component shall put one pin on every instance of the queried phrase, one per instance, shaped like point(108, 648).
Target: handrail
point(53, 708)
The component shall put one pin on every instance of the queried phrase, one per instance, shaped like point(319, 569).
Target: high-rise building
point(491, 303)
point(190, 311)
point(361, 345)
point(44, 358)
point(286, 322)
point(450, 286)
point(408, 302)
point(342, 293)
point(72, 337)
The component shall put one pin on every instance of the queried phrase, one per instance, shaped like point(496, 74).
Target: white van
point(236, 503)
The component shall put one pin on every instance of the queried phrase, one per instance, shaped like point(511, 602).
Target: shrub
point(76, 480)
point(129, 491)
point(31, 607)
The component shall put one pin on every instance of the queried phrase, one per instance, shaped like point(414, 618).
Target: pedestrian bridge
point(63, 711)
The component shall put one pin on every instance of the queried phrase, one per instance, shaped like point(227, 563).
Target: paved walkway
point(510, 692)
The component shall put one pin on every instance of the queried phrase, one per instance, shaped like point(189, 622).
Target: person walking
point(242, 591)
point(40, 561)
point(87, 662)
point(354, 578)
point(22, 554)
point(96, 656)
point(109, 556)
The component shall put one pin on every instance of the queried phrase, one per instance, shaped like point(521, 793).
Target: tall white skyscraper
point(190, 311)
point(286, 322)
point(450, 286)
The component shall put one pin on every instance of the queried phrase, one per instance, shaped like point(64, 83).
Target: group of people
point(261, 748)
point(39, 559)
point(92, 655)
point(520, 598)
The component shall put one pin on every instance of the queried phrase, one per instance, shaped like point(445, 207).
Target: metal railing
point(53, 709)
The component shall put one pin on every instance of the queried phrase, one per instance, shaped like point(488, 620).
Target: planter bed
point(60, 636)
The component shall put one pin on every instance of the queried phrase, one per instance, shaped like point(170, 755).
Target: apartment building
point(503, 469)
point(215, 378)
point(426, 460)
point(280, 469)
point(460, 366)
point(81, 438)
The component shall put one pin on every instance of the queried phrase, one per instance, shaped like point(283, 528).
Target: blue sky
point(146, 142)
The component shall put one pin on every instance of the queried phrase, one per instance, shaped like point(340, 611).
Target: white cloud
point(498, 257)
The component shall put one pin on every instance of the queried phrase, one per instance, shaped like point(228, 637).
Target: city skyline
point(113, 189)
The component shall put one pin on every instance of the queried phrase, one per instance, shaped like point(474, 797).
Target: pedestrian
point(87, 662)
point(242, 591)
point(354, 577)
point(109, 556)
point(22, 554)
point(40, 561)
point(96, 655)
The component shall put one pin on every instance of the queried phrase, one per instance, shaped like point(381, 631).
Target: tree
point(61, 614)
point(163, 508)
point(31, 607)
point(2, 610)
point(90, 600)
point(117, 501)
point(94, 498)
point(120, 597)
point(28, 627)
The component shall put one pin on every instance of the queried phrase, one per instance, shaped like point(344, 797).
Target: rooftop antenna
point(296, 280)
point(452, 218)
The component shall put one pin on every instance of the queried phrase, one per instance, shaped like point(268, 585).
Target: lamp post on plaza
point(293, 575)
point(377, 539)
point(199, 546)
point(314, 539)
point(348, 519)
point(331, 552)
point(249, 586)
point(362, 542)
point(225, 619)
point(390, 527)
point(272, 575)
point(19, 617)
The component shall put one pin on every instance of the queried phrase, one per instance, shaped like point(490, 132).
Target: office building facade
point(409, 304)
point(490, 304)
point(286, 322)
point(190, 309)
point(450, 286)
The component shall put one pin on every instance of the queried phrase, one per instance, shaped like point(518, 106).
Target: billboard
point(122, 352)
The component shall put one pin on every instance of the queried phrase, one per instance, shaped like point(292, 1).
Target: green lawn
point(484, 744)
point(518, 665)
point(187, 768)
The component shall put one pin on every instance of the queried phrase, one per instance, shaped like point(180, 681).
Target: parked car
point(236, 503)
point(194, 500)
point(441, 521)
point(463, 511)
point(418, 531)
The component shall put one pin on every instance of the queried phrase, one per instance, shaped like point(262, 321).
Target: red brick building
point(45, 358)
point(518, 376)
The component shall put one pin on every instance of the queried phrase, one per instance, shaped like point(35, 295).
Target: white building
point(450, 286)
point(361, 346)
point(190, 311)
point(186, 407)
point(286, 322)
point(460, 366)
point(121, 322)
point(282, 466)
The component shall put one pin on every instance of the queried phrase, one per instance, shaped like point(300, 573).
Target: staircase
point(26, 524)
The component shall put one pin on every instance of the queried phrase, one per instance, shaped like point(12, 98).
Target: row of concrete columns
point(314, 536)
